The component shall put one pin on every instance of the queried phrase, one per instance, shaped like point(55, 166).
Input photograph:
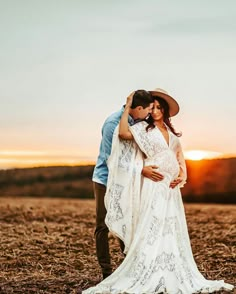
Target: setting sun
point(201, 154)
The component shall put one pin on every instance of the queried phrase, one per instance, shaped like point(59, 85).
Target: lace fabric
point(149, 217)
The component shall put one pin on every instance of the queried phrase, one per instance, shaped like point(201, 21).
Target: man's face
point(142, 113)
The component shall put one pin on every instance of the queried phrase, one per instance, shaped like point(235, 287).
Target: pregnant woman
point(149, 216)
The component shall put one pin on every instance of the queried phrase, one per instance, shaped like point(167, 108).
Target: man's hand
point(151, 173)
point(129, 100)
point(176, 182)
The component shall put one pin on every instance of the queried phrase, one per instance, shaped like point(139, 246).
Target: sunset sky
point(66, 65)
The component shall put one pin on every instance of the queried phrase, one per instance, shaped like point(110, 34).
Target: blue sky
point(66, 65)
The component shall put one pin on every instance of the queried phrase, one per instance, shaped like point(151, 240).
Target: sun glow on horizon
point(201, 154)
point(37, 158)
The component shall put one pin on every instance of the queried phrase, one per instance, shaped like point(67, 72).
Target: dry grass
point(47, 245)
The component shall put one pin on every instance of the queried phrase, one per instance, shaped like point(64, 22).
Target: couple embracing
point(137, 181)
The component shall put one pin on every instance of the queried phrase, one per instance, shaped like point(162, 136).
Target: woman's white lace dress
point(149, 217)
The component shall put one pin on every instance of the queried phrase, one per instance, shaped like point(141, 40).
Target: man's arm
point(107, 134)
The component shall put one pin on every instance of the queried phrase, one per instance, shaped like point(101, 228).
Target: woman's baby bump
point(166, 162)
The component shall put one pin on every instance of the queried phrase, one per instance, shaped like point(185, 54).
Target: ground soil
point(47, 245)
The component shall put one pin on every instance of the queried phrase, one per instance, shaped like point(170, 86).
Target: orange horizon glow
point(202, 154)
point(35, 158)
point(29, 158)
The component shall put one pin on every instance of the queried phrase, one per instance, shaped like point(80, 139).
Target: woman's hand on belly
point(176, 182)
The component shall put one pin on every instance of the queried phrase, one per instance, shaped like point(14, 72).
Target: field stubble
point(47, 245)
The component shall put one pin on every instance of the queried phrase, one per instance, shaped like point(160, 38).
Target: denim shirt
point(100, 173)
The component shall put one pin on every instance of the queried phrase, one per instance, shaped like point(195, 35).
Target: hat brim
point(173, 105)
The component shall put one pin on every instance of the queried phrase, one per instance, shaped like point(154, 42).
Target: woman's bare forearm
point(124, 132)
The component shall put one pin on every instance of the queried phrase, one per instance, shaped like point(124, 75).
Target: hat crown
point(161, 90)
point(173, 104)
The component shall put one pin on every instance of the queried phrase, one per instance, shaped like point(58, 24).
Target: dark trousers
point(101, 232)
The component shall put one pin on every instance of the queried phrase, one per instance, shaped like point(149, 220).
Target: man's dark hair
point(141, 98)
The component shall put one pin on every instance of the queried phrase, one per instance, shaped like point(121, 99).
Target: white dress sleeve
point(143, 138)
point(182, 164)
point(122, 198)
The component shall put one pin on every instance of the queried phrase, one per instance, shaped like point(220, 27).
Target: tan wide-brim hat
point(173, 105)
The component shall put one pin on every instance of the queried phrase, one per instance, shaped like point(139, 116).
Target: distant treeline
point(59, 181)
point(212, 181)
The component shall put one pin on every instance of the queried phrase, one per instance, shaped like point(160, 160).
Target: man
point(141, 107)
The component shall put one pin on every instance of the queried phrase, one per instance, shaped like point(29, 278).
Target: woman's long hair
point(166, 117)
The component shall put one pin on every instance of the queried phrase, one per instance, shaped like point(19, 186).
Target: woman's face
point(157, 113)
